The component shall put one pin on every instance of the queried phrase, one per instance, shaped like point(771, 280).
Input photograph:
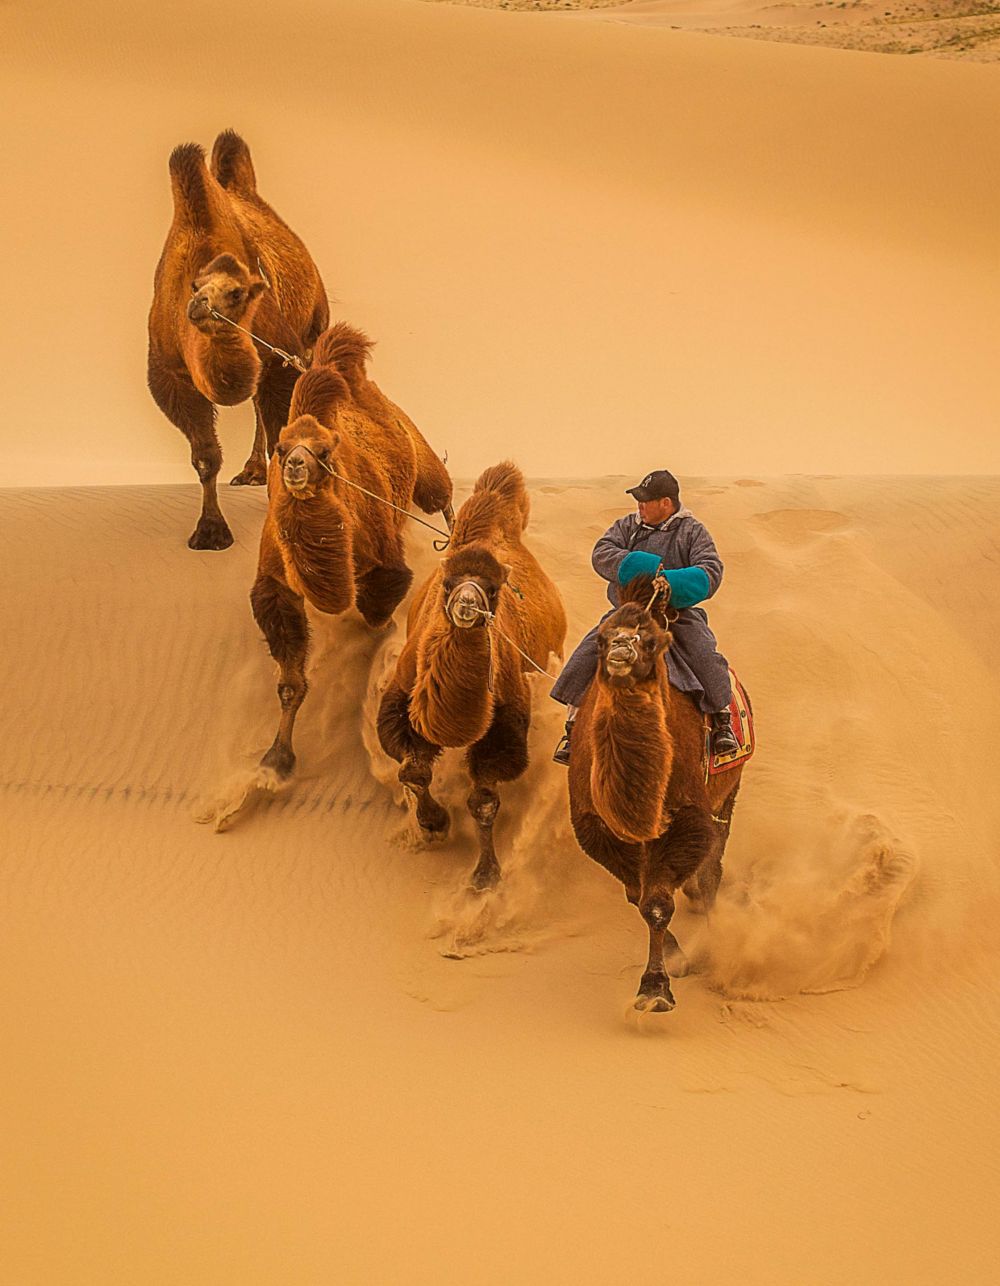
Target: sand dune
point(254, 1057)
point(297, 1051)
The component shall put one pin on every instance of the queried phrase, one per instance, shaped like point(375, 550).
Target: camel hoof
point(484, 878)
point(211, 533)
point(654, 1004)
point(251, 475)
point(281, 761)
point(654, 995)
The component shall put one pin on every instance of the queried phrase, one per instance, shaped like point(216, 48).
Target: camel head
point(471, 582)
point(629, 644)
point(305, 452)
point(226, 286)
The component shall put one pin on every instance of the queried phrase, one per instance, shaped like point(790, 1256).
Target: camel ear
point(257, 284)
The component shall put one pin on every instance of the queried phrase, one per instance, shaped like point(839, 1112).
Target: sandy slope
point(571, 238)
point(253, 1058)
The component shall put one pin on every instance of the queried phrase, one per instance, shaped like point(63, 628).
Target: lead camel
point(639, 799)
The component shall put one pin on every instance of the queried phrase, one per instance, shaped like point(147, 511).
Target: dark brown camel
point(639, 801)
point(227, 252)
point(459, 680)
point(325, 541)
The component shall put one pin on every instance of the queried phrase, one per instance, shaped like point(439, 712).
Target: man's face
point(654, 511)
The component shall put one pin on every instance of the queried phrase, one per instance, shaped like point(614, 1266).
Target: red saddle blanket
point(742, 717)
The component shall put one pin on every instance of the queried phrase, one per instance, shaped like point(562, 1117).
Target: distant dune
point(234, 1058)
point(957, 29)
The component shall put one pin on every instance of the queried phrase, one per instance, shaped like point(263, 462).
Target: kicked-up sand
point(300, 1051)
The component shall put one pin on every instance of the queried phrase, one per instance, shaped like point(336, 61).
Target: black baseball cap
point(657, 485)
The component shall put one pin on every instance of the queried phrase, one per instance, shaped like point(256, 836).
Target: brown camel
point(227, 255)
point(639, 801)
point(460, 680)
point(324, 540)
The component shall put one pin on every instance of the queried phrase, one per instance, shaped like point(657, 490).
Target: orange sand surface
point(299, 1052)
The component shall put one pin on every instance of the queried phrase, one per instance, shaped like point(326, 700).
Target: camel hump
point(498, 506)
point(317, 392)
point(189, 178)
point(347, 349)
point(231, 164)
point(506, 481)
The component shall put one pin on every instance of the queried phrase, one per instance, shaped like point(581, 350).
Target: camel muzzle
point(622, 655)
point(198, 310)
point(295, 473)
point(467, 606)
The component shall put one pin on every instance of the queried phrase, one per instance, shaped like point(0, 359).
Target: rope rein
point(491, 626)
point(440, 545)
point(287, 359)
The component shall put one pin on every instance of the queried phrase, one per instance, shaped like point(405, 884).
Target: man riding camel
point(662, 538)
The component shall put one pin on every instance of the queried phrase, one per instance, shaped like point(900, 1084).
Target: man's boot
point(723, 738)
point(561, 755)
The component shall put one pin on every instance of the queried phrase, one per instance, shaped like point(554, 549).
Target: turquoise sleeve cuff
point(688, 586)
point(638, 563)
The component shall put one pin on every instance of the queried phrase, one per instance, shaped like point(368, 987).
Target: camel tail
point(317, 392)
point(347, 350)
point(231, 164)
point(189, 179)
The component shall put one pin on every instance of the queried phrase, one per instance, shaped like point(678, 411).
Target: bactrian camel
point(325, 541)
point(227, 253)
point(460, 680)
point(639, 799)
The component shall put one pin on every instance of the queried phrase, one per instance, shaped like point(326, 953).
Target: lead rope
point(287, 359)
point(439, 545)
point(491, 625)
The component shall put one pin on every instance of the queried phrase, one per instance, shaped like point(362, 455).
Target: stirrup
point(561, 753)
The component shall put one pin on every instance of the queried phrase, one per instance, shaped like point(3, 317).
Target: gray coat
point(694, 661)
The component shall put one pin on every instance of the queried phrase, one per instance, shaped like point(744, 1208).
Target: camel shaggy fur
point(458, 681)
point(324, 541)
point(227, 253)
point(639, 800)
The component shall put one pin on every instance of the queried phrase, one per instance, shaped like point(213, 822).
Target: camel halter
point(439, 545)
point(489, 619)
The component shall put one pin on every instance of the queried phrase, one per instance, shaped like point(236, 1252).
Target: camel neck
point(224, 366)
point(633, 755)
point(451, 704)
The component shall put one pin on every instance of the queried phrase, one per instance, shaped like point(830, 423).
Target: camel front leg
point(654, 986)
point(254, 472)
point(484, 804)
point(501, 755)
point(416, 757)
point(280, 614)
point(416, 775)
point(194, 415)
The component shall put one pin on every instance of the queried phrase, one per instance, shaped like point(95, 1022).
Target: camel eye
point(324, 453)
point(194, 287)
point(235, 296)
point(282, 451)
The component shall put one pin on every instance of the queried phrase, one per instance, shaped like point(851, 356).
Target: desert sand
point(299, 1051)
